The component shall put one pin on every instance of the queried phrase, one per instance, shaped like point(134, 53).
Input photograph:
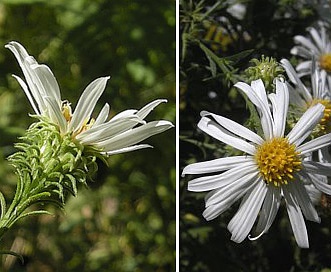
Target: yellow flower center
point(277, 161)
point(325, 62)
point(324, 125)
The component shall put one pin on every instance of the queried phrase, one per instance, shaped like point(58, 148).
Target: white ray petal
point(128, 149)
point(268, 211)
point(317, 167)
point(142, 113)
point(315, 144)
point(107, 130)
point(55, 114)
point(296, 219)
point(216, 131)
point(306, 124)
point(28, 94)
point(258, 99)
point(235, 128)
point(135, 135)
point(223, 203)
point(103, 115)
point(207, 183)
point(298, 191)
point(242, 223)
point(87, 102)
point(215, 165)
point(280, 101)
point(306, 43)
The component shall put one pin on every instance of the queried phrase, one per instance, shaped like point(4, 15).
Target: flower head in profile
point(315, 48)
point(117, 135)
point(274, 166)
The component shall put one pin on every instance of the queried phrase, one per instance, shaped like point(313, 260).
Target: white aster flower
point(273, 168)
point(304, 97)
point(117, 135)
point(316, 48)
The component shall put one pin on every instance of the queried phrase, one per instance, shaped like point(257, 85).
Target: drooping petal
point(86, 103)
point(215, 165)
point(296, 219)
point(242, 223)
point(216, 131)
point(268, 211)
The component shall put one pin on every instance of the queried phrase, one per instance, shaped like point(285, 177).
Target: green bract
point(49, 166)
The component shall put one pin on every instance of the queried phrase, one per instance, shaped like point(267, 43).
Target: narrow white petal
point(280, 101)
point(258, 99)
point(320, 182)
point(296, 219)
point(142, 113)
point(242, 223)
point(306, 43)
point(108, 130)
point(207, 183)
point(215, 165)
point(135, 135)
point(228, 190)
point(306, 124)
point(298, 191)
point(128, 149)
point(87, 102)
point(317, 167)
point(301, 51)
point(294, 78)
point(216, 131)
point(124, 114)
point(103, 115)
point(235, 128)
point(28, 94)
point(268, 211)
point(223, 202)
point(48, 82)
point(55, 114)
point(315, 144)
point(317, 38)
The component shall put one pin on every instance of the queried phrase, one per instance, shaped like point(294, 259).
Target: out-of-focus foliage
point(217, 41)
point(125, 220)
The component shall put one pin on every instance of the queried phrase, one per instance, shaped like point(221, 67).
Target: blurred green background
point(125, 220)
point(212, 34)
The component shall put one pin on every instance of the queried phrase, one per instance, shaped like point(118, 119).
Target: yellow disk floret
point(325, 62)
point(277, 161)
point(324, 125)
